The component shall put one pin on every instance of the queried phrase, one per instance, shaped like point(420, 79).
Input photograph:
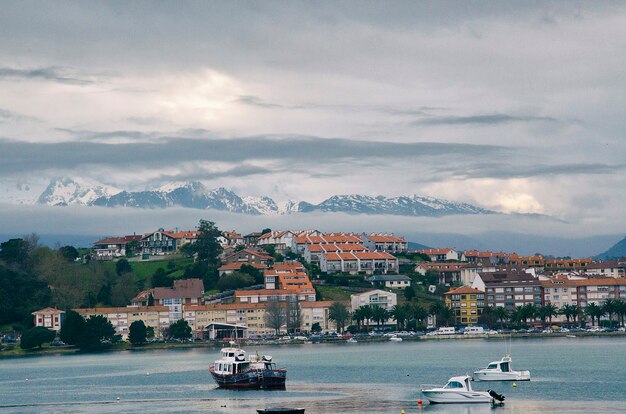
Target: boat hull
point(456, 397)
point(274, 379)
point(502, 376)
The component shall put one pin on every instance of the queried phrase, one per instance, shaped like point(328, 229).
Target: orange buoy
point(419, 402)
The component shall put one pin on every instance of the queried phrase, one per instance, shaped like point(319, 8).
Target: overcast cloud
point(513, 106)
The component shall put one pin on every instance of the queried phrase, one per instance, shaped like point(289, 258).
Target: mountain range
point(617, 251)
point(66, 191)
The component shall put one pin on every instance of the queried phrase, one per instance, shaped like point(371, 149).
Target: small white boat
point(501, 371)
point(459, 390)
point(352, 341)
point(395, 338)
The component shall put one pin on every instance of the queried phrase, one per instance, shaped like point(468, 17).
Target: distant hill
point(618, 250)
point(417, 246)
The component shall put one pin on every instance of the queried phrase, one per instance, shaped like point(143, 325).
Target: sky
point(517, 107)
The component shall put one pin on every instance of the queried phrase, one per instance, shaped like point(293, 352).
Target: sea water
point(569, 375)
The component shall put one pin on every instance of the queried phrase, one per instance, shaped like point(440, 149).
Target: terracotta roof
point(435, 251)
point(386, 238)
point(119, 240)
point(183, 288)
point(47, 311)
point(463, 289)
point(265, 292)
point(317, 304)
point(374, 255)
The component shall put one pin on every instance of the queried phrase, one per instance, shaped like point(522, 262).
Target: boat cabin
point(504, 365)
point(462, 383)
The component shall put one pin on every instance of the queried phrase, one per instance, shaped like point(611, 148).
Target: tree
point(501, 315)
point(15, 251)
point(401, 314)
point(160, 278)
point(569, 311)
point(432, 277)
point(275, 315)
point(594, 311)
point(131, 248)
point(266, 231)
point(256, 274)
point(316, 328)
point(339, 313)
point(123, 290)
point(180, 330)
point(367, 313)
point(149, 332)
point(69, 253)
point(122, 266)
point(207, 246)
point(294, 315)
point(409, 293)
point(419, 314)
point(358, 317)
point(487, 317)
point(150, 299)
point(379, 315)
point(36, 337)
point(611, 307)
point(547, 311)
point(621, 310)
point(72, 328)
point(234, 280)
point(137, 333)
point(98, 330)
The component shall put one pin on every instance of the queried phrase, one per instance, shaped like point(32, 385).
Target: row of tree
point(614, 309)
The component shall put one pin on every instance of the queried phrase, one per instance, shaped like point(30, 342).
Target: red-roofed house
point(183, 292)
point(112, 247)
point(163, 241)
point(439, 255)
point(355, 262)
point(50, 318)
point(384, 243)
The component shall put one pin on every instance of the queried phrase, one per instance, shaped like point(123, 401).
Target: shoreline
point(56, 351)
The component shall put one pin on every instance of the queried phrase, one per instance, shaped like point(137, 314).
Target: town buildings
point(467, 304)
point(51, 318)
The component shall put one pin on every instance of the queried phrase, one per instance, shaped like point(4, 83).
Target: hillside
point(617, 251)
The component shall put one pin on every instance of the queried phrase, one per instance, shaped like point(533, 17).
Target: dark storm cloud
point(18, 156)
point(493, 119)
point(50, 74)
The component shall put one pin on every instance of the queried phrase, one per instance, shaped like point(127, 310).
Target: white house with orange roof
point(440, 255)
point(281, 241)
point(230, 238)
point(381, 242)
point(355, 262)
point(163, 242)
point(51, 318)
point(312, 253)
point(305, 239)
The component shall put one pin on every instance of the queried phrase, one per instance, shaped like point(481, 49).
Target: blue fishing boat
point(236, 369)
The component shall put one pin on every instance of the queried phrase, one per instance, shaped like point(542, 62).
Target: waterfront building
point(509, 288)
point(51, 318)
point(121, 318)
point(183, 292)
point(467, 304)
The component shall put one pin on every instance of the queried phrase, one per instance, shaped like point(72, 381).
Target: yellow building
point(467, 304)
point(121, 318)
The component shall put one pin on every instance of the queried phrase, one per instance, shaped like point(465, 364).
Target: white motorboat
point(501, 371)
point(395, 338)
point(459, 390)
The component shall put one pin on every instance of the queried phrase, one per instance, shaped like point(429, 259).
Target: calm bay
point(569, 375)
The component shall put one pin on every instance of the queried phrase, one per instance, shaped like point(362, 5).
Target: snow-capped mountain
point(62, 192)
point(67, 191)
point(403, 206)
